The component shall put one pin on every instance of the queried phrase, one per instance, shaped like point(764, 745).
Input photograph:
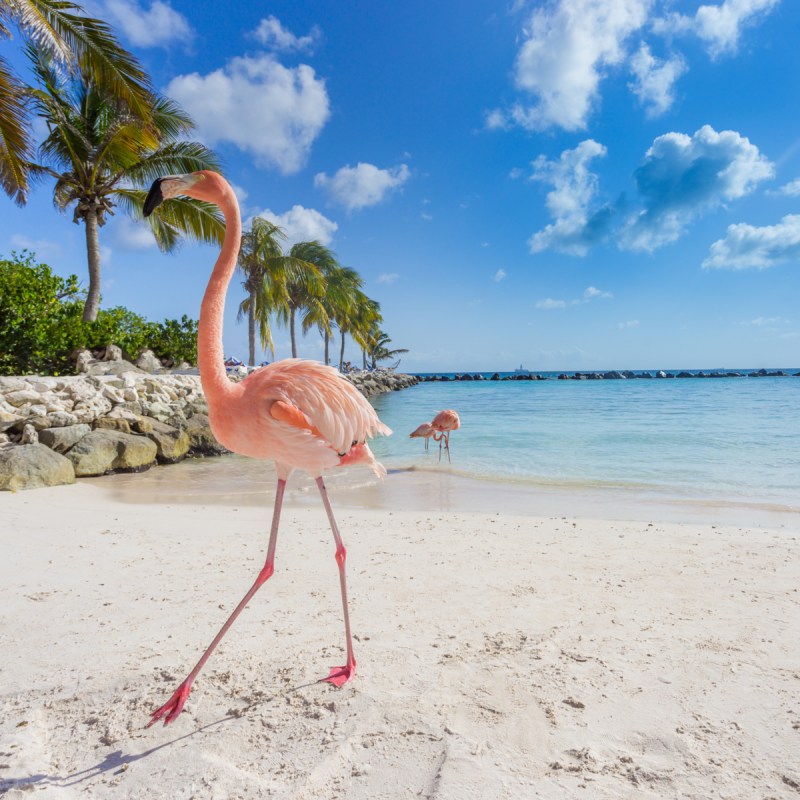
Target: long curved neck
point(210, 355)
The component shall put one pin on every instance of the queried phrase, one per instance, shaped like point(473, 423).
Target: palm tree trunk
point(291, 331)
point(251, 329)
point(327, 340)
point(93, 255)
point(341, 354)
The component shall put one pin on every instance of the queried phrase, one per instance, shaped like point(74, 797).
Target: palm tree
point(365, 318)
point(304, 288)
point(60, 30)
point(342, 285)
point(378, 349)
point(102, 153)
point(264, 265)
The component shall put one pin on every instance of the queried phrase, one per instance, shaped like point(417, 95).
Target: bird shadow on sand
point(118, 761)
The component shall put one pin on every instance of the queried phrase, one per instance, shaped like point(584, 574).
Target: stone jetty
point(613, 375)
point(114, 417)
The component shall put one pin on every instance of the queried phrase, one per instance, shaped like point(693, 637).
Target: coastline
point(500, 654)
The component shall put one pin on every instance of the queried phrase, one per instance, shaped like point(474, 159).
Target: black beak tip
point(154, 198)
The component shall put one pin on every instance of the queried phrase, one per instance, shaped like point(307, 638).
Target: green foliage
point(41, 323)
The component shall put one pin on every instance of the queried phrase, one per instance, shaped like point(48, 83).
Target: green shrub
point(41, 323)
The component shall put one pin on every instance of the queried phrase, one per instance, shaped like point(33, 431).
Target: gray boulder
point(61, 439)
point(103, 451)
point(148, 362)
point(202, 441)
point(32, 466)
point(172, 443)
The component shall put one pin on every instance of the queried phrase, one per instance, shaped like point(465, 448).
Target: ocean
point(721, 438)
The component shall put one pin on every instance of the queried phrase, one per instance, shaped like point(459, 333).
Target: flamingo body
point(300, 414)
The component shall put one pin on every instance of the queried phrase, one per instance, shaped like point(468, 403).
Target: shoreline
point(234, 480)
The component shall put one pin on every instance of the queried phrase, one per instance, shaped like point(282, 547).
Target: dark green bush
point(41, 323)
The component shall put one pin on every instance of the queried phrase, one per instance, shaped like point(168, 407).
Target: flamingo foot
point(173, 706)
point(339, 676)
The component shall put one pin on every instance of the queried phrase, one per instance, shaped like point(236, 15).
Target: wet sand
point(510, 644)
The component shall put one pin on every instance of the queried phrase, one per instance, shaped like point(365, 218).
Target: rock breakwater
point(56, 429)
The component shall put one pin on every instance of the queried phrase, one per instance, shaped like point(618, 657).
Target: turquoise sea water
point(736, 438)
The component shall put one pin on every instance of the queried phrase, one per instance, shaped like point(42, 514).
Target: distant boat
point(522, 371)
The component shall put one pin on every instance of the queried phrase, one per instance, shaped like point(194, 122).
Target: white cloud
point(574, 187)
point(272, 34)
point(263, 108)
point(158, 25)
point(130, 235)
point(791, 189)
point(550, 304)
point(593, 293)
point(684, 176)
point(719, 26)
point(388, 277)
point(363, 185)
point(566, 49)
point(302, 225)
point(499, 275)
point(427, 217)
point(768, 321)
point(631, 323)
point(750, 247)
point(43, 248)
point(655, 79)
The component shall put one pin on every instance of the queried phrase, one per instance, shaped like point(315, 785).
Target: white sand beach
point(500, 655)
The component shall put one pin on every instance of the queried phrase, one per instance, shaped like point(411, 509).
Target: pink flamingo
point(300, 414)
point(444, 422)
point(425, 431)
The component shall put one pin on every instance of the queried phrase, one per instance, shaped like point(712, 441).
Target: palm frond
point(16, 148)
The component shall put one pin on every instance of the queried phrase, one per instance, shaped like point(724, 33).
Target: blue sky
point(576, 184)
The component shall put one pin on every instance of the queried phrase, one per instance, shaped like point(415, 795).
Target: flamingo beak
point(167, 187)
point(154, 197)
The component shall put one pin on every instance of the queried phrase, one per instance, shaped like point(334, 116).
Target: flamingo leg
point(174, 705)
point(339, 675)
point(447, 445)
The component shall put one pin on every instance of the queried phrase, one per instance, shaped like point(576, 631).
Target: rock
point(112, 424)
point(113, 353)
point(83, 360)
point(103, 451)
point(112, 367)
point(61, 439)
point(148, 362)
point(172, 443)
point(22, 396)
point(31, 466)
point(201, 440)
point(29, 435)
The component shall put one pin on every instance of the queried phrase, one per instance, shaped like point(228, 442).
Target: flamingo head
point(202, 185)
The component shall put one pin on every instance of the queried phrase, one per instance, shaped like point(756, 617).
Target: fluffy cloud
point(655, 79)
point(272, 34)
point(791, 189)
point(499, 275)
point(130, 235)
point(263, 108)
point(574, 187)
point(750, 247)
point(631, 323)
point(719, 26)
point(147, 27)
point(388, 277)
point(550, 304)
point(567, 46)
point(363, 185)
point(682, 176)
point(593, 293)
point(302, 225)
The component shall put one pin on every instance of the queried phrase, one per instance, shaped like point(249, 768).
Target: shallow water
point(728, 437)
point(726, 450)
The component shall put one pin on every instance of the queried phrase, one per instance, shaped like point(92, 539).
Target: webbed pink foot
point(339, 676)
point(173, 706)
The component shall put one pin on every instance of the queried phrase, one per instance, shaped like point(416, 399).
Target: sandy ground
point(499, 656)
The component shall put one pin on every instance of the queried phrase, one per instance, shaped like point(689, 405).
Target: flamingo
point(300, 414)
point(424, 431)
point(444, 422)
